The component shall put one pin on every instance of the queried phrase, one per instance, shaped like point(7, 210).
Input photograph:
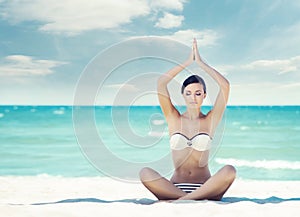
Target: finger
point(194, 53)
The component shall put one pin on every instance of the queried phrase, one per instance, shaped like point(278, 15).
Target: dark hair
point(193, 79)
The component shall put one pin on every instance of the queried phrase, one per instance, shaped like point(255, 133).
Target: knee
point(229, 172)
point(148, 175)
point(145, 173)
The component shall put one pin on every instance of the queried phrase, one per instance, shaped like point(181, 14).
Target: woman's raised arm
point(162, 89)
point(221, 101)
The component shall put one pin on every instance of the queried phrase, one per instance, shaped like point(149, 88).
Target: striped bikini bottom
point(188, 187)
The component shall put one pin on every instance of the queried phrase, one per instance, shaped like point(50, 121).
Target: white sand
point(85, 196)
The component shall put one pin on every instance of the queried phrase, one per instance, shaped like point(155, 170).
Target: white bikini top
point(199, 142)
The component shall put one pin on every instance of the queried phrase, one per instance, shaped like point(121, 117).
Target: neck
point(193, 113)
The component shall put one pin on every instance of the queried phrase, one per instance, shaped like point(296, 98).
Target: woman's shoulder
point(173, 120)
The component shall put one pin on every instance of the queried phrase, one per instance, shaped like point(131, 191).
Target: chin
point(194, 105)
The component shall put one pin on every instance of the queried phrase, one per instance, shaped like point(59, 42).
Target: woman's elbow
point(162, 81)
point(225, 85)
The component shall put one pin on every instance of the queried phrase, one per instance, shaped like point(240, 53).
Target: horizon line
point(109, 105)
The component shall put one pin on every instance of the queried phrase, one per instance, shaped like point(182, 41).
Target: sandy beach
point(93, 196)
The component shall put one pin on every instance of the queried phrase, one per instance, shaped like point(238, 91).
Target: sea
point(261, 142)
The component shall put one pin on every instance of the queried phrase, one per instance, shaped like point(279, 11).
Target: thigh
point(161, 187)
point(222, 181)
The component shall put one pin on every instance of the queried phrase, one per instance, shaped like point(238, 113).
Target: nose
point(195, 98)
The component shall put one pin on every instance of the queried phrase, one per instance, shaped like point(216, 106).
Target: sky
point(46, 47)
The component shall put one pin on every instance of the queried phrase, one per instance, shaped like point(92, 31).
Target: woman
point(190, 137)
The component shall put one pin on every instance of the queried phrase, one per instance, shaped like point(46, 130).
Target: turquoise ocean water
point(262, 142)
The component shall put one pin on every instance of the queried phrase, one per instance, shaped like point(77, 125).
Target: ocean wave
point(158, 122)
point(244, 128)
point(264, 164)
point(1, 115)
point(58, 112)
point(157, 133)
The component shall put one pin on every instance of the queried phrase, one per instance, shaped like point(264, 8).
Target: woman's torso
point(190, 164)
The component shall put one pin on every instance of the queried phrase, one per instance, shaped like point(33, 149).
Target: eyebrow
point(195, 91)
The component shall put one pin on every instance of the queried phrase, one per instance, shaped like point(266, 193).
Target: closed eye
point(198, 93)
point(188, 93)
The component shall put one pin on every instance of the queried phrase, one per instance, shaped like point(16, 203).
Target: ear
point(204, 96)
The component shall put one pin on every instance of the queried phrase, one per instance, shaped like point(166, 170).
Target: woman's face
point(194, 95)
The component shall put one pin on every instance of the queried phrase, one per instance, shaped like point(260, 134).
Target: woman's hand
point(191, 58)
point(196, 54)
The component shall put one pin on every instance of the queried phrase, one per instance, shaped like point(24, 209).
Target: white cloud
point(292, 85)
point(169, 21)
point(71, 17)
point(74, 16)
point(167, 4)
point(265, 93)
point(280, 66)
point(264, 82)
point(204, 38)
point(259, 68)
point(20, 65)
